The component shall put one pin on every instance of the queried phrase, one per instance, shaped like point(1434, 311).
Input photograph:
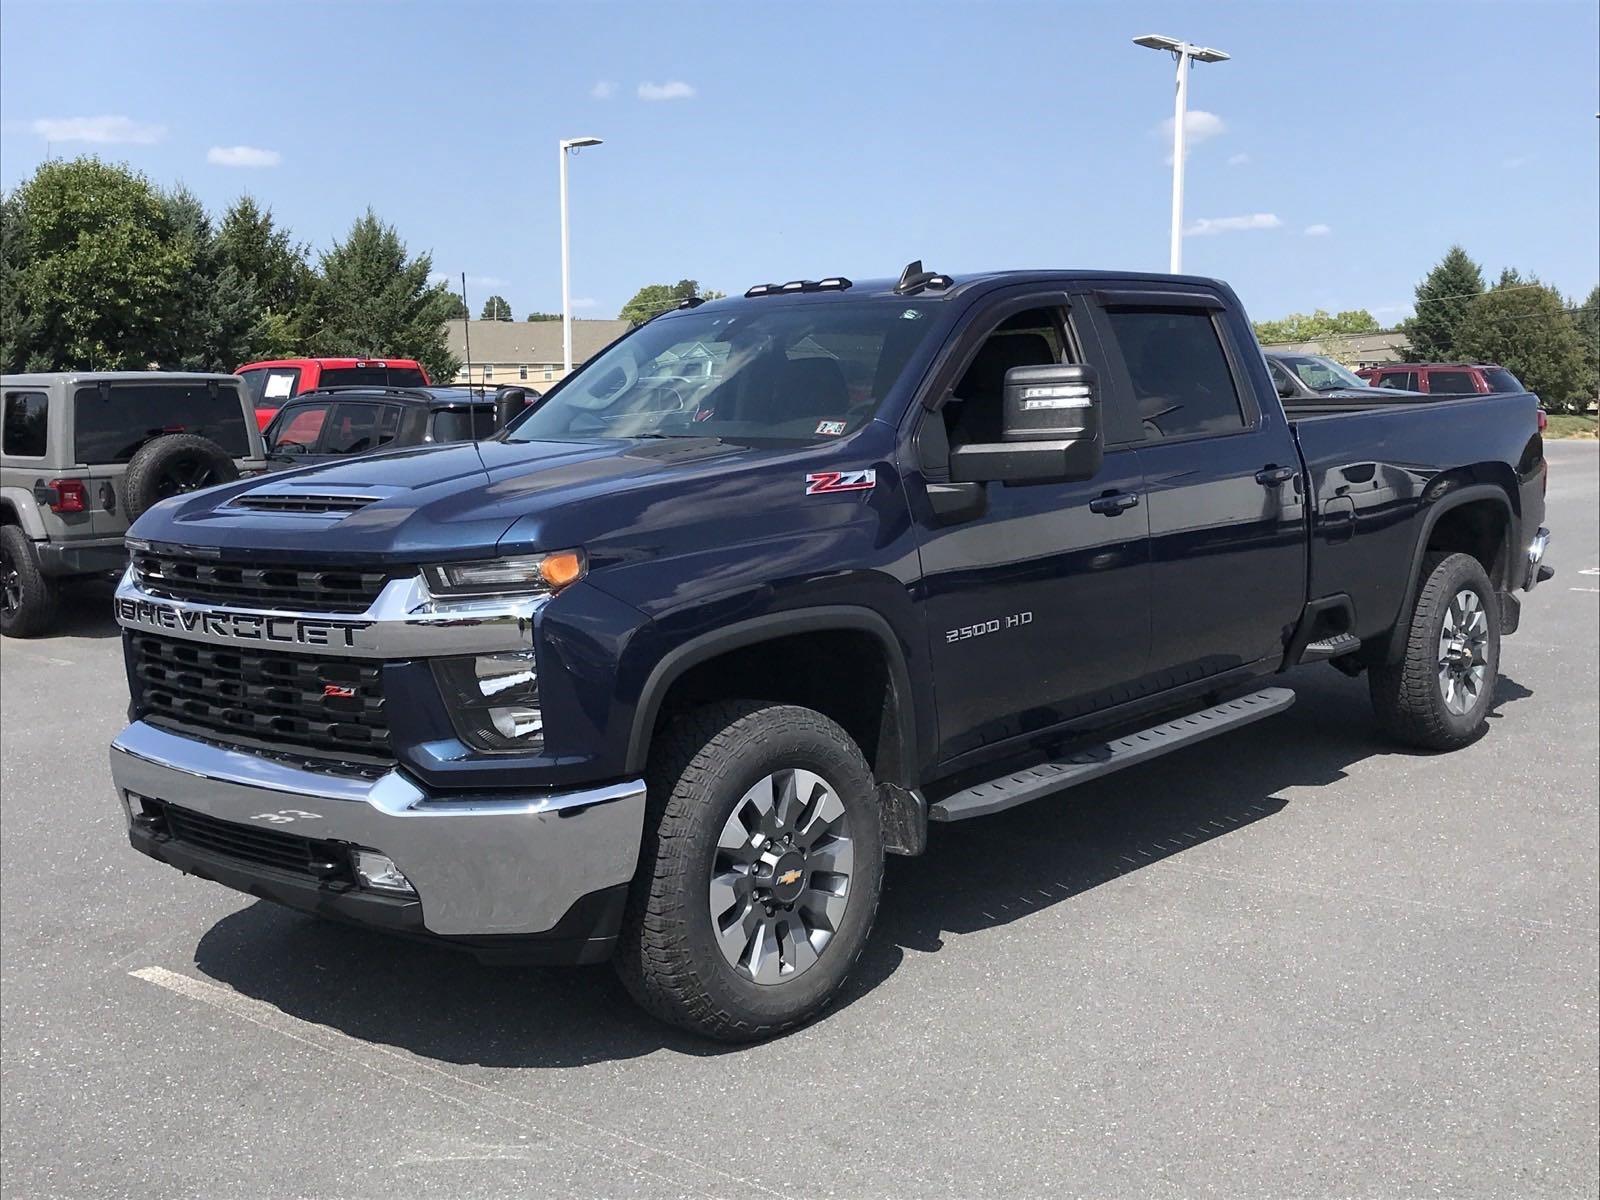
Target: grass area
point(1570, 425)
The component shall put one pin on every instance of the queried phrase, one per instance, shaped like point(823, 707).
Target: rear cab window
point(26, 428)
point(1182, 382)
point(113, 420)
point(371, 376)
point(1501, 380)
point(270, 387)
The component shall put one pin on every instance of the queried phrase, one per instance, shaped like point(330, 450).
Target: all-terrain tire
point(170, 465)
point(1409, 697)
point(30, 605)
point(701, 768)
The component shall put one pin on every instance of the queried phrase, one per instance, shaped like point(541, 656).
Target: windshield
point(787, 373)
point(1322, 374)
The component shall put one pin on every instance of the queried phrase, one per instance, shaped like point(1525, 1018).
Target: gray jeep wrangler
point(84, 453)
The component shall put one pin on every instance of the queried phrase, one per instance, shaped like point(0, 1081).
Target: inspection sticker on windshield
point(825, 483)
point(831, 428)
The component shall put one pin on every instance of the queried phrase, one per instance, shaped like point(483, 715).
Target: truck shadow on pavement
point(83, 610)
point(977, 875)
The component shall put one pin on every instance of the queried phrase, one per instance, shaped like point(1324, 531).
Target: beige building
point(524, 351)
point(1354, 349)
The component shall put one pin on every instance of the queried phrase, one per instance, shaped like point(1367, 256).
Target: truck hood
point(427, 503)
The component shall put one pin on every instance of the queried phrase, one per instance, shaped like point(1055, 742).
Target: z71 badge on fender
point(824, 483)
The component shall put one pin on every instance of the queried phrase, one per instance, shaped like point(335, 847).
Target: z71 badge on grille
point(824, 483)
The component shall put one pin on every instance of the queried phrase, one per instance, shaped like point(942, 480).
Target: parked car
point(665, 683)
point(1314, 377)
point(273, 382)
point(84, 453)
point(1452, 379)
point(339, 422)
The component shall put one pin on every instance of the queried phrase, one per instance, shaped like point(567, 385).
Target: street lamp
point(1182, 52)
point(568, 146)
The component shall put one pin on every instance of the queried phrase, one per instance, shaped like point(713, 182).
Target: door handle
point(1272, 476)
point(1113, 503)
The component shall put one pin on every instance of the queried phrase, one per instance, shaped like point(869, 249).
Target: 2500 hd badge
point(237, 627)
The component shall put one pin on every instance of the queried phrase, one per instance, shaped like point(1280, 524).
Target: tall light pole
point(1183, 52)
point(568, 146)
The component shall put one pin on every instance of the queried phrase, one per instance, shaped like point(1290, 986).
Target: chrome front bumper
point(480, 866)
point(1536, 572)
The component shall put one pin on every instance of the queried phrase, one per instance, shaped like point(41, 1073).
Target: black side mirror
point(1285, 387)
point(1050, 430)
point(507, 404)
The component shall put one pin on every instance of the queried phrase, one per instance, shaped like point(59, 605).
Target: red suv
point(269, 384)
point(1448, 379)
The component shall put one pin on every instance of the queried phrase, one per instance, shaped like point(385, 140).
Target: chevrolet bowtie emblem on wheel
point(788, 877)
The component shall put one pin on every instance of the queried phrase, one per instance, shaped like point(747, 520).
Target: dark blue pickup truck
point(662, 671)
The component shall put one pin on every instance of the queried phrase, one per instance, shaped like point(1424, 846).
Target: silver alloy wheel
point(780, 882)
point(1463, 652)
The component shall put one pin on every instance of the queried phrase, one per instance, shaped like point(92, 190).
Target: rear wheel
point(760, 871)
point(27, 597)
point(1437, 696)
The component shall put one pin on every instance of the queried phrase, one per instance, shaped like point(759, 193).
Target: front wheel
point(1437, 696)
point(759, 874)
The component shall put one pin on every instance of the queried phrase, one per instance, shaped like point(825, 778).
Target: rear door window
point(1179, 371)
point(462, 424)
point(27, 423)
point(114, 420)
point(1448, 383)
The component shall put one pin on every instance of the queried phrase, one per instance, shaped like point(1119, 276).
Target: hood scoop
point(307, 503)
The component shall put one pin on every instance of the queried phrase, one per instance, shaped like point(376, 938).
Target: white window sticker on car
point(831, 428)
point(279, 386)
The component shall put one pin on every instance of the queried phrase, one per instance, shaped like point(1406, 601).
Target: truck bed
point(1372, 466)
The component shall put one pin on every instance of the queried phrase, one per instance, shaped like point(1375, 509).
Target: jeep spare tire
point(170, 466)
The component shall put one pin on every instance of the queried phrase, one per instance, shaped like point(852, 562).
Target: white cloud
point(242, 156)
point(1516, 160)
point(1198, 125)
point(107, 129)
point(453, 278)
point(1238, 160)
point(1318, 230)
point(603, 90)
point(1206, 226)
point(675, 89)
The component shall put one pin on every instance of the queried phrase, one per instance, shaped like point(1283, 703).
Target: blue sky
point(750, 142)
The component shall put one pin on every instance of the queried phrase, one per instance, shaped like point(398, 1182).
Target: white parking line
point(325, 1040)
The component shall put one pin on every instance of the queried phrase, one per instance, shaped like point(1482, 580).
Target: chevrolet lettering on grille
point(223, 625)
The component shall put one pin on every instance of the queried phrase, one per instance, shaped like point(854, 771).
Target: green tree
point(217, 319)
point(458, 308)
point(1442, 300)
point(19, 326)
point(1527, 328)
point(544, 316)
point(1587, 323)
point(277, 269)
point(656, 298)
point(1331, 329)
point(373, 299)
point(101, 275)
point(495, 308)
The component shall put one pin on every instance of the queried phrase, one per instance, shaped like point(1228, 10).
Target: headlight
point(524, 575)
point(494, 700)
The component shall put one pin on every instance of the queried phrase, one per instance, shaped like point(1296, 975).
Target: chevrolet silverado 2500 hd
point(663, 670)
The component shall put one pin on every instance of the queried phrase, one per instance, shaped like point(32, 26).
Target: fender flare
point(737, 636)
point(21, 504)
point(1449, 501)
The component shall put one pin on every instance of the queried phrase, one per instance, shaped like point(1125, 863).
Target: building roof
point(530, 341)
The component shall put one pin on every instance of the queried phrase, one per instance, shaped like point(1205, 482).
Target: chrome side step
point(1021, 786)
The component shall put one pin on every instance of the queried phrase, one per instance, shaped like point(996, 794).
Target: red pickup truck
point(269, 384)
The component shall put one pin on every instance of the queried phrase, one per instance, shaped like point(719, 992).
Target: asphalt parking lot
point(1291, 962)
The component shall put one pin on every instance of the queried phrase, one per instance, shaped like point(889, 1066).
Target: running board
point(1047, 778)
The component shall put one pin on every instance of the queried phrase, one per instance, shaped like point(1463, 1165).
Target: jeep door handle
point(1113, 503)
point(1272, 476)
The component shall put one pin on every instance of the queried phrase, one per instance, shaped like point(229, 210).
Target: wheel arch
point(18, 507)
point(1488, 498)
point(891, 753)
